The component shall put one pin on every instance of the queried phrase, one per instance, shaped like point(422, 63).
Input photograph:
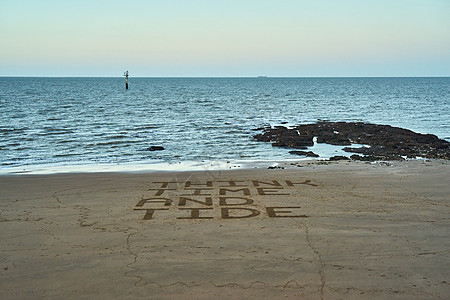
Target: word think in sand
point(219, 200)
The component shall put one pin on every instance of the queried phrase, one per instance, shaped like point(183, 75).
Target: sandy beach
point(314, 230)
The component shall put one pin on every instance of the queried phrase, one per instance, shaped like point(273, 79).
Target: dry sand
point(315, 231)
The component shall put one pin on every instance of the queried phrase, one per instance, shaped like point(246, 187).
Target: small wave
point(65, 141)
point(66, 155)
point(143, 127)
point(13, 144)
point(42, 134)
point(13, 130)
point(19, 158)
point(23, 149)
point(118, 136)
point(109, 143)
point(51, 130)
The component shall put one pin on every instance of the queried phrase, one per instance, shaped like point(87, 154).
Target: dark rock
point(155, 148)
point(333, 139)
point(355, 150)
point(294, 145)
point(356, 157)
point(339, 157)
point(304, 153)
point(281, 136)
point(376, 158)
point(259, 129)
point(386, 142)
point(365, 158)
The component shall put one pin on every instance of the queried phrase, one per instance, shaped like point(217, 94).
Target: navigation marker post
point(126, 79)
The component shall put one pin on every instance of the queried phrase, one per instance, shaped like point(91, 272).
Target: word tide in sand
point(218, 200)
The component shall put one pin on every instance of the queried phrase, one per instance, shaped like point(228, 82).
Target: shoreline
point(325, 150)
point(182, 166)
point(186, 166)
point(315, 230)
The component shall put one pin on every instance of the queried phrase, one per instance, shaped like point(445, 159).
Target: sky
point(215, 38)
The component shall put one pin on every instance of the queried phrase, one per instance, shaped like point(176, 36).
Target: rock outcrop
point(304, 153)
point(384, 142)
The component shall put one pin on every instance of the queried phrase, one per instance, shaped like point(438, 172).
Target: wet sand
point(346, 230)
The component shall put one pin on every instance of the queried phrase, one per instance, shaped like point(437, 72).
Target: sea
point(50, 125)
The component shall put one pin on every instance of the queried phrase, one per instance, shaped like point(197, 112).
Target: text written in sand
point(228, 199)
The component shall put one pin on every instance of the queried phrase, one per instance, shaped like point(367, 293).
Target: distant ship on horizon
point(262, 76)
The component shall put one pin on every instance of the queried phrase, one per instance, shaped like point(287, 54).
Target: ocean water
point(95, 122)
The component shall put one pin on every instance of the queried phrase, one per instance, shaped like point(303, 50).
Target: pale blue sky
point(225, 38)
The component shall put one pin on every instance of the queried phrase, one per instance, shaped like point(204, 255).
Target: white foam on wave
point(105, 168)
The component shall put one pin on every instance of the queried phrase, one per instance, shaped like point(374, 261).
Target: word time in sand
point(231, 199)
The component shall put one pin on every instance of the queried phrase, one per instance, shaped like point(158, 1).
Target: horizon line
point(256, 76)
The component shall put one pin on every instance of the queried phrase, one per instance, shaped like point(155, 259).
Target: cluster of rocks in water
point(384, 142)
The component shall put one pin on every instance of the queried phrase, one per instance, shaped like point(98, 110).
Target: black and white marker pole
point(126, 79)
